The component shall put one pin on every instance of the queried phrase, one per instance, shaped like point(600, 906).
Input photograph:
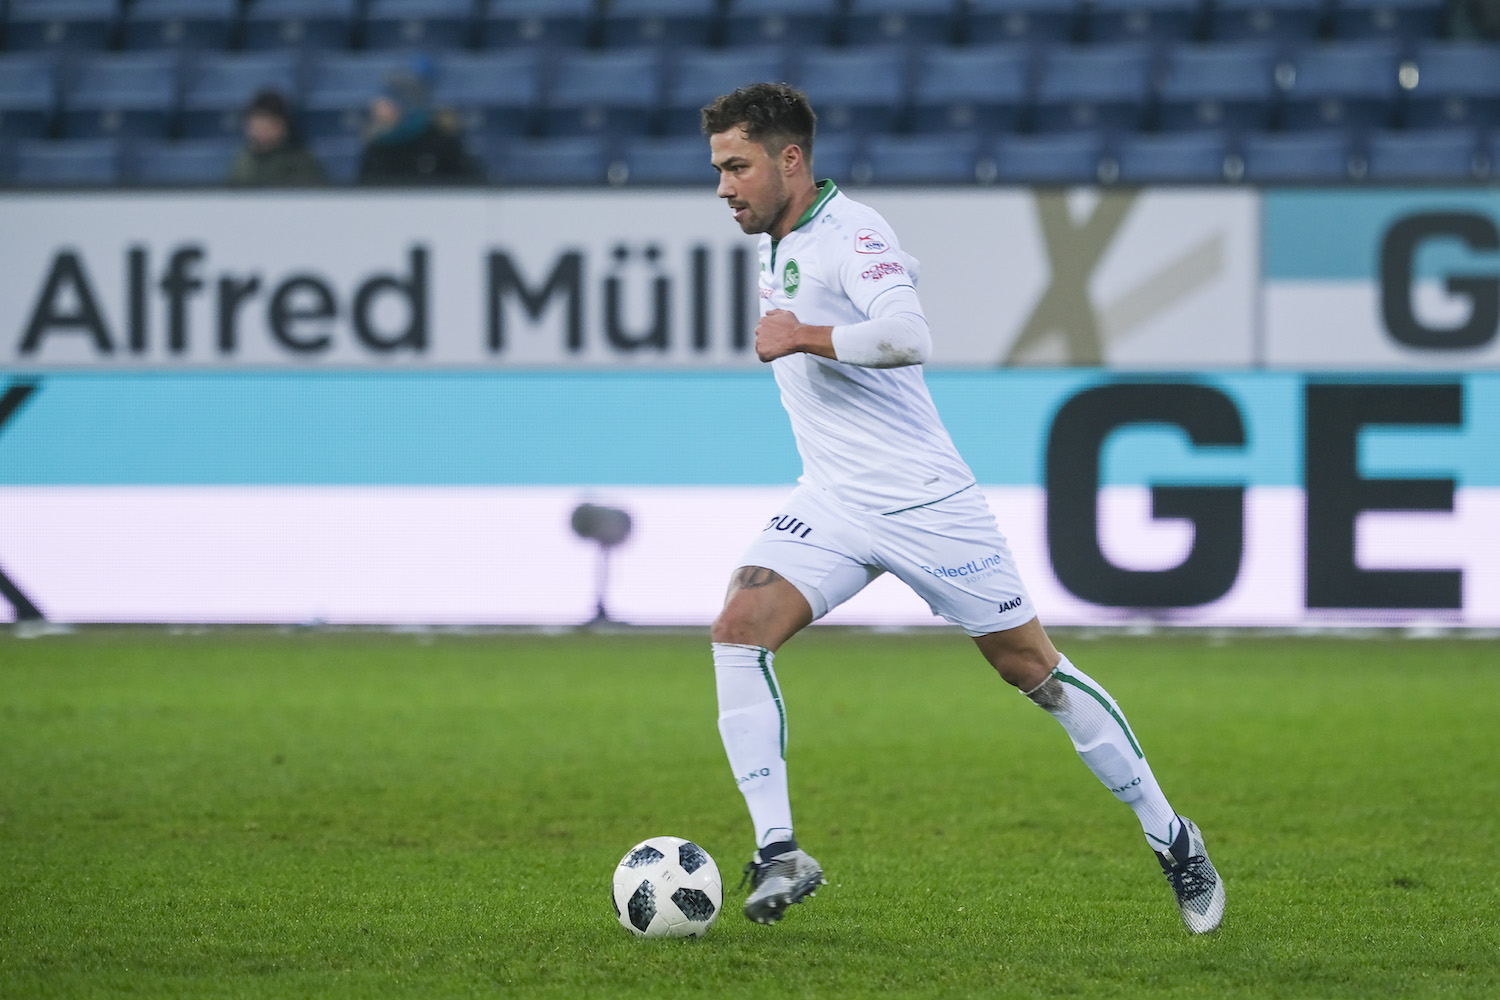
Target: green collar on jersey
point(826, 190)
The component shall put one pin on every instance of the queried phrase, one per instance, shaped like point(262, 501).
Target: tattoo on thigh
point(750, 577)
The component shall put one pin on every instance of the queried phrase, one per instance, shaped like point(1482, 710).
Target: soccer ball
point(667, 887)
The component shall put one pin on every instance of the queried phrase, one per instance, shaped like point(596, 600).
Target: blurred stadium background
point(149, 92)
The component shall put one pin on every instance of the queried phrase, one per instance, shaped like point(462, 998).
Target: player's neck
point(804, 196)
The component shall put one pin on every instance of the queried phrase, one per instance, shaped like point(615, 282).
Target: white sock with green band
point(1103, 739)
point(752, 721)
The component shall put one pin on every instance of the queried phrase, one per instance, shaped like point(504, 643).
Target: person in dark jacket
point(273, 154)
point(408, 143)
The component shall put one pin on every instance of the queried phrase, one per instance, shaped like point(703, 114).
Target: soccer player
point(883, 490)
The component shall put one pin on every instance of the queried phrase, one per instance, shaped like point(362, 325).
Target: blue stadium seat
point(654, 22)
point(1030, 21)
point(1446, 154)
point(1457, 83)
point(838, 155)
point(562, 24)
point(953, 158)
point(697, 76)
point(429, 24)
point(1348, 83)
point(173, 24)
point(1172, 157)
point(855, 89)
point(1145, 20)
point(67, 163)
point(802, 22)
point(574, 159)
point(1316, 155)
point(1217, 85)
point(311, 24)
point(492, 92)
point(1094, 87)
point(339, 155)
point(1282, 21)
point(218, 85)
point(126, 94)
point(1397, 19)
point(340, 87)
point(1064, 158)
point(28, 95)
point(676, 159)
point(872, 21)
point(616, 91)
point(180, 163)
point(981, 87)
point(61, 24)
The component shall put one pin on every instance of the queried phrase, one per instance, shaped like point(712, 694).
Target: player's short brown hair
point(776, 115)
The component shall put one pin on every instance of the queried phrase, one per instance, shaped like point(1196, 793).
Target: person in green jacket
point(273, 155)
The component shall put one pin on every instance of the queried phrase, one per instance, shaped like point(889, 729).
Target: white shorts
point(950, 552)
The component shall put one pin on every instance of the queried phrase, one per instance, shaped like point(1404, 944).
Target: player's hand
point(780, 333)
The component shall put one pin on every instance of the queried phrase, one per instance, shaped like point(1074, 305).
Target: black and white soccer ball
point(667, 887)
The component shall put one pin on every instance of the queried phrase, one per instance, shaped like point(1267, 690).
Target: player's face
point(751, 181)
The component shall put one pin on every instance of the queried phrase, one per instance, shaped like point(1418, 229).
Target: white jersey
point(870, 437)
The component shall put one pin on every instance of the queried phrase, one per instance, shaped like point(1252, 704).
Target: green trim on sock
point(1171, 837)
point(765, 670)
point(1101, 699)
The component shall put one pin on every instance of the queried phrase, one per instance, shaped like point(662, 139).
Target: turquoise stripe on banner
point(1324, 235)
point(640, 428)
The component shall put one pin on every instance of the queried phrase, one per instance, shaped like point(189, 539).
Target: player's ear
point(791, 158)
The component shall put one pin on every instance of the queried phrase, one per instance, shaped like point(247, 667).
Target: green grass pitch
point(248, 813)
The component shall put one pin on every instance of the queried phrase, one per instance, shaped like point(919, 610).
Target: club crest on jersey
point(869, 241)
point(791, 278)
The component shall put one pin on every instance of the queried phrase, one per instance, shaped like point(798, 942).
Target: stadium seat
point(28, 95)
point(1029, 21)
point(313, 24)
point(339, 155)
point(1218, 85)
point(574, 159)
point(1172, 157)
point(561, 24)
point(1396, 19)
point(1314, 155)
point(838, 155)
point(953, 158)
point(616, 91)
point(872, 21)
point(493, 92)
point(218, 85)
point(340, 87)
point(984, 87)
point(1064, 158)
point(188, 24)
point(438, 25)
point(1282, 21)
point(67, 163)
point(855, 89)
point(697, 76)
point(1457, 83)
point(653, 22)
point(677, 159)
point(1094, 87)
point(181, 163)
point(802, 22)
point(1447, 154)
point(1145, 20)
point(60, 24)
point(126, 94)
point(1349, 83)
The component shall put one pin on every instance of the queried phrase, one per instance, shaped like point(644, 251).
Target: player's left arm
point(894, 336)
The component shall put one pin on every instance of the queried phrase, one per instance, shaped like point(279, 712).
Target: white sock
point(752, 722)
point(1103, 739)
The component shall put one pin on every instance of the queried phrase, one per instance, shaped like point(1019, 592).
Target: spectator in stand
point(409, 142)
point(273, 154)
